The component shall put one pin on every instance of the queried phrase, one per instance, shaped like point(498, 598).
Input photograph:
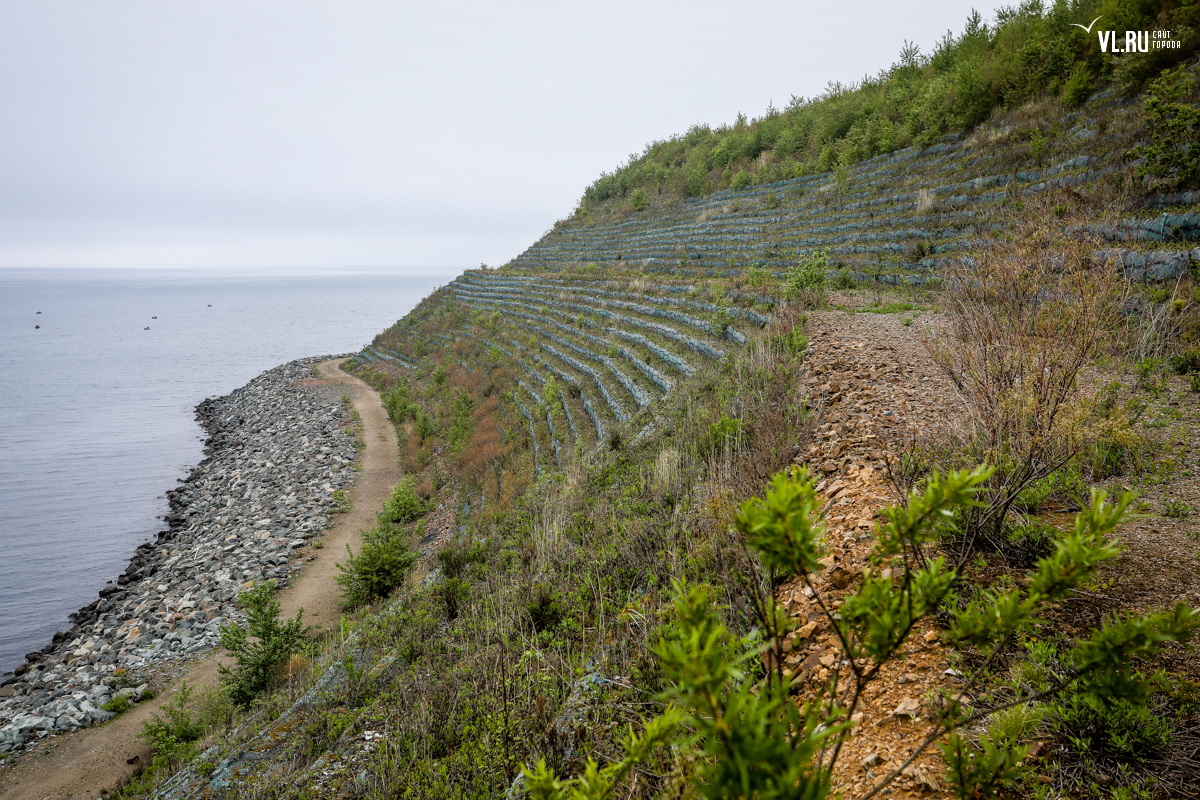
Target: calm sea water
point(96, 413)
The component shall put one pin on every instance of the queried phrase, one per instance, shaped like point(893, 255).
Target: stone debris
point(277, 451)
point(875, 388)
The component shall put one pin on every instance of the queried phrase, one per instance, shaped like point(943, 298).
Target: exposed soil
point(876, 387)
point(80, 764)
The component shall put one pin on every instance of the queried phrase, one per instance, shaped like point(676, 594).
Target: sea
point(100, 373)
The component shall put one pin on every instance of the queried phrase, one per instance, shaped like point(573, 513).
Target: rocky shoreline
point(276, 452)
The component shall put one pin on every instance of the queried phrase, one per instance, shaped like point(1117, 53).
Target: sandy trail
point(80, 764)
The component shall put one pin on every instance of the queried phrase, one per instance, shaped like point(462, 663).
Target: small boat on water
point(154, 318)
point(39, 312)
point(146, 328)
point(35, 327)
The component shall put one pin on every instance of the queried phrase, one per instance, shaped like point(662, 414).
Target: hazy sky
point(165, 133)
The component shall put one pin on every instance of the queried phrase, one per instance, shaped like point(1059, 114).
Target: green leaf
point(784, 527)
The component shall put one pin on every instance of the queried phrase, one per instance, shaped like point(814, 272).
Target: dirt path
point(80, 764)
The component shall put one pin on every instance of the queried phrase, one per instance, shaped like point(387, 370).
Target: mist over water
point(97, 414)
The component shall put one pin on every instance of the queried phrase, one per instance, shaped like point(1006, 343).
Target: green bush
point(639, 200)
point(260, 648)
point(1176, 509)
point(806, 279)
point(426, 425)
point(383, 563)
point(1118, 729)
point(795, 341)
point(1187, 361)
point(743, 735)
point(545, 609)
point(118, 705)
point(1029, 543)
point(403, 505)
point(1078, 87)
point(453, 560)
point(742, 179)
point(173, 735)
point(462, 423)
point(757, 276)
point(844, 279)
point(726, 432)
point(721, 320)
point(1172, 154)
point(398, 402)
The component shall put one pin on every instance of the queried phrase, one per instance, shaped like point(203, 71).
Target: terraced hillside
point(896, 217)
point(603, 317)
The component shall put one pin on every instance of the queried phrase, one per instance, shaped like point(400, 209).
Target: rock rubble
point(276, 452)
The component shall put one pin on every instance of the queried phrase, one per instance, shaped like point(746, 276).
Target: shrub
point(398, 402)
point(454, 558)
point(1187, 361)
point(844, 279)
point(742, 179)
point(1028, 543)
point(639, 200)
point(545, 609)
point(403, 505)
point(1176, 509)
point(117, 705)
point(741, 732)
point(462, 423)
point(721, 320)
point(1118, 729)
point(1030, 314)
point(1147, 371)
point(1078, 87)
point(261, 647)
point(806, 279)
point(725, 433)
point(1171, 121)
point(382, 565)
point(173, 734)
point(426, 425)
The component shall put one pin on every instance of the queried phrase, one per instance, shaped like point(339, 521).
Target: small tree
point(403, 505)
point(806, 279)
point(173, 734)
point(383, 564)
point(1172, 154)
point(745, 734)
point(261, 647)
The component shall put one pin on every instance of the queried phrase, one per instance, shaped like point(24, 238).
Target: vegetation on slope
point(1029, 51)
point(588, 622)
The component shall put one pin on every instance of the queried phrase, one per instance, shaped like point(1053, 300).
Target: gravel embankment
point(276, 452)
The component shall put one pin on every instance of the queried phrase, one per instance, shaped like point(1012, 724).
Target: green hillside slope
point(986, 255)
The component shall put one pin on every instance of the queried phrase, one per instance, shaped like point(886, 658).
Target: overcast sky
point(377, 134)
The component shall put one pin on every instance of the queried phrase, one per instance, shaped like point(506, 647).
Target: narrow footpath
point(80, 764)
